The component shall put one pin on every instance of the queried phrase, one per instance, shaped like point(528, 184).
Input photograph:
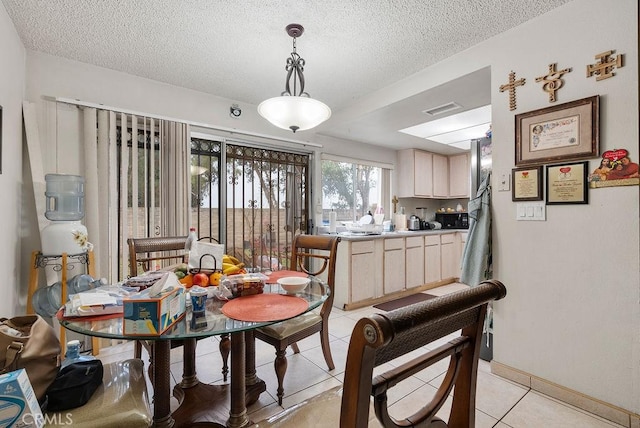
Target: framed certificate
point(567, 184)
point(568, 131)
point(526, 184)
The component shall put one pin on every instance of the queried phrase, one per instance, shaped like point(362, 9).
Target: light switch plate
point(505, 182)
point(531, 211)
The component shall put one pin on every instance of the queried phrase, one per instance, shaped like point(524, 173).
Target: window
point(352, 189)
point(264, 193)
point(205, 181)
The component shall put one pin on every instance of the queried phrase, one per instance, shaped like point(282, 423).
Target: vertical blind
point(137, 183)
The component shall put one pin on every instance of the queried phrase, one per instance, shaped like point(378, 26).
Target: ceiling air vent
point(442, 109)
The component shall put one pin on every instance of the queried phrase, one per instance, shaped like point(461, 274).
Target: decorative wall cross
point(511, 87)
point(553, 80)
point(394, 201)
point(604, 68)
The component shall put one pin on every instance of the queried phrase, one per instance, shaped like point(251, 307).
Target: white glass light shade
point(294, 112)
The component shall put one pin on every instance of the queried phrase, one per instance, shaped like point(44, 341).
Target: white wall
point(12, 71)
point(572, 312)
point(50, 76)
point(59, 127)
point(572, 315)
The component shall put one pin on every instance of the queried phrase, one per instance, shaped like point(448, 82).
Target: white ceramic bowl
point(293, 284)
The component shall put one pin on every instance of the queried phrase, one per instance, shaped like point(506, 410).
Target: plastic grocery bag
point(206, 256)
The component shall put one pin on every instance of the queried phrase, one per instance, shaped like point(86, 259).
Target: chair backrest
point(162, 248)
point(382, 337)
point(316, 255)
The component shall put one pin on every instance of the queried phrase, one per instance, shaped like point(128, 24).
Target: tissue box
point(18, 403)
point(151, 314)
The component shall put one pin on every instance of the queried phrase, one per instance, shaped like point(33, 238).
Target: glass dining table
point(199, 403)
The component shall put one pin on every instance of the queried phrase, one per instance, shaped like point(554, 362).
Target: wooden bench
point(381, 338)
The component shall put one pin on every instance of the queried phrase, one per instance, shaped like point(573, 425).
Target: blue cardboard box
point(18, 403)
point(153, 311)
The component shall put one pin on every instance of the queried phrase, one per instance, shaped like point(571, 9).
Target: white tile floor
point(499, 403)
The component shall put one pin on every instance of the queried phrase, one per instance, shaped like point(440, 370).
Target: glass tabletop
point(214, 323)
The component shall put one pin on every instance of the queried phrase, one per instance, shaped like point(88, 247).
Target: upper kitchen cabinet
point(440, 176)
point(428, 175)
point(415, 176)
point(459, 176)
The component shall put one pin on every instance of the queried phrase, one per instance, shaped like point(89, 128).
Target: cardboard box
point(154, 310)
point(18, 403)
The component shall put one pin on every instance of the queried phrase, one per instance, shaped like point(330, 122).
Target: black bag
point(74, 385)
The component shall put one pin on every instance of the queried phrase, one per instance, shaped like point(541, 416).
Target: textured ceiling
point(237, 49)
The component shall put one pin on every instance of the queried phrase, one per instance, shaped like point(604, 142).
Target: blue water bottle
point(73, 354)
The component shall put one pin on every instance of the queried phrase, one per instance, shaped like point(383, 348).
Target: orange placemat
point(264, 307)
point(273, 277)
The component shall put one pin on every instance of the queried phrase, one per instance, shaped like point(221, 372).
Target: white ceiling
point(237, 48)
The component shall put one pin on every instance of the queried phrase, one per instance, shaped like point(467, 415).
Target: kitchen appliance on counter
point(414, 222)
point(424, 224)
point(453, 220)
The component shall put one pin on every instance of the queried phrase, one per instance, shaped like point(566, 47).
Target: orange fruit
point(214, 278)
point(187, 281)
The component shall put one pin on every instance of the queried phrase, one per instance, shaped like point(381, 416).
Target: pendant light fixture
point(294, 109)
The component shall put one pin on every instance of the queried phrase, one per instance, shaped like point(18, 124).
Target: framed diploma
point(567, 184)
point(568, 131)
point(526, 184)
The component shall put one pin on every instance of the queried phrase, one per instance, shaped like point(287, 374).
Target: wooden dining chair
point(316, 256)
point(143, 252)
point(414, 338)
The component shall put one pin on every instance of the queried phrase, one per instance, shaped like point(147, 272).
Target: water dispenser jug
point(47, 300)
point(65, 209)
point(65, 197)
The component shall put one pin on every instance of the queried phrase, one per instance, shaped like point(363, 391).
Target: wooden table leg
point(200, 404)
point(255, 386)
point(238, 413)
point(189, 377)
point(161, 376)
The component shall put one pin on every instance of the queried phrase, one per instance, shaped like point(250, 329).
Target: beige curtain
point(175, 172)
point(123, 199)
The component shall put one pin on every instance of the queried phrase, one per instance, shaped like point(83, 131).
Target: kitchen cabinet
point(449, 259)
point(414, 261)
point(429, 175)
point(459, 176)
point(394, 265)
point(358, 271)
point(369, 268)
point(440, 176)
point(362, 270)
point(415, 176)
point(432, 272)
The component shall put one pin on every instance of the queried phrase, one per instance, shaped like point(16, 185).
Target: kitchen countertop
point(361, 237)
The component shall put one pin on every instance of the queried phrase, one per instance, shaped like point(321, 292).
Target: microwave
point(453, 220)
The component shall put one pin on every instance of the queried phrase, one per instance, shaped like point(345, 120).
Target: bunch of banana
point(231, 265)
